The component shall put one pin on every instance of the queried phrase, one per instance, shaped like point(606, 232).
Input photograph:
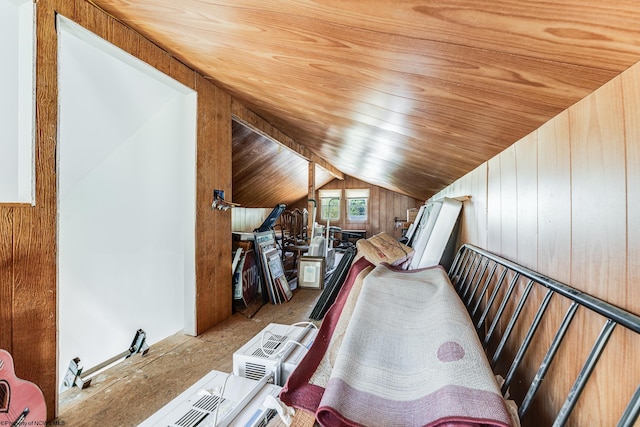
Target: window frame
point(356, 195)
point(327, 202)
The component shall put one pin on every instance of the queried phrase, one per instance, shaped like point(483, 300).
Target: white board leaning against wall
point(17, 51)
point(126, 200)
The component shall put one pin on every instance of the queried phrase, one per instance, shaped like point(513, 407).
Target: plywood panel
point(631, 97)
point(494, 205)
point(93, 18)
point(266, 173)
point(526, 153)
point(474, 225)
point(247, 219)
point(223, 178)
point(213, 236)
point(630, 346)
point(480, 196)
point(598, 197)
point(508, 204)
point(151, 54)
point(378, 210)
point(468, 226)
point(127, 40)
point(6, 276)
point(34, 295)
point(554, 198)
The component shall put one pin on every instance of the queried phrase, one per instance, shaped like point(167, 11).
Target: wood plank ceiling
point(279, 174)
point(408, 95)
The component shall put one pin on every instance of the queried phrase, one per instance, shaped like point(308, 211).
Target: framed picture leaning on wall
point(311, 272)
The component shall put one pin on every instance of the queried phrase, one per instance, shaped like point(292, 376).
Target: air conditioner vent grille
point(267, 417)
point(208, 403)
point(254, 371)
point(191, 418)
point(270, 346)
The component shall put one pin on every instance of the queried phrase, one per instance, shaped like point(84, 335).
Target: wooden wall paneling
point(554, 241)
point(94, 19)
point(213, 237)
point(631, 97)
point(34, 295)
point(494, 205)
point(377, 210)
point(468, 225)
point(385, 222)
point(205, 216)
point(508, 204)
point(248, 219)
point(554, 198)
point(399, 211)
point(348, 182)
point(599, 216)
point(621, 355)
point(311, 194)
point(573, 170)
point(470, 229)
point(479, 200)
point(566, 365)
point(33, 298)
point(526, 154)
point(6, 276)
point(180, 72)
point(598, 194)
point(129, 41)
point(223, 155)
point(464, 187)
point(153, 55)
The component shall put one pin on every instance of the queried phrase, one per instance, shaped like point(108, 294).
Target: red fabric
point(297, 392)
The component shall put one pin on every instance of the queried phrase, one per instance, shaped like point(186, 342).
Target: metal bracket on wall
point(77, 376)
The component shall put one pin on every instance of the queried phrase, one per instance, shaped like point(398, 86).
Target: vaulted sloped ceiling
point(265, 173)
point(408, 95)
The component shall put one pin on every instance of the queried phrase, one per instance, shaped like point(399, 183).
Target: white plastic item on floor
point(276, 350)
point(217, 399)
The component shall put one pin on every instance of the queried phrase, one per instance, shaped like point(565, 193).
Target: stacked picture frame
point(275, 284)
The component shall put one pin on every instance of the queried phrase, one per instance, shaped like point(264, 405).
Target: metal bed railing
point(479, 278)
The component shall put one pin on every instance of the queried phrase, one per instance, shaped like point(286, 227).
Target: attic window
point(330, 204)
point(357, 204)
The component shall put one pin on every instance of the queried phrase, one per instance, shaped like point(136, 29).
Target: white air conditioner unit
point(256, 413)
point(270, 353)
point(225, 393)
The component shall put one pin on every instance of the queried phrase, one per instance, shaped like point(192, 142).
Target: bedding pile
point(397, 348)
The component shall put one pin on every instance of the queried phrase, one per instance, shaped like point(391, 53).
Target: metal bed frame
point(479, 278)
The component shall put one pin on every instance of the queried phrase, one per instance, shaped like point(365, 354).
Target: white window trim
point(357, 193)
